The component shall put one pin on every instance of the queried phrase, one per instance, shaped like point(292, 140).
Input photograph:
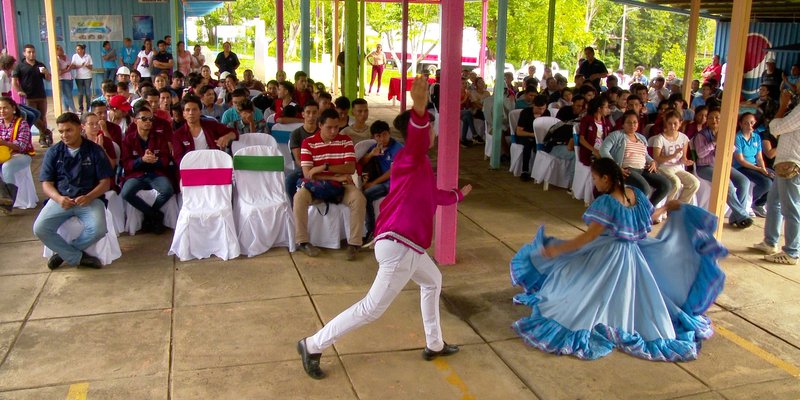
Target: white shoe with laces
point(781, 258)
point(766, 248)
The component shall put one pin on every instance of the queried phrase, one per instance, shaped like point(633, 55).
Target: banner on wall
point(95, 28)
point(43, 29)
point(143, 27)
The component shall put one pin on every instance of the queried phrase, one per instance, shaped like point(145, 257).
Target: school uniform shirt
point(75, 172)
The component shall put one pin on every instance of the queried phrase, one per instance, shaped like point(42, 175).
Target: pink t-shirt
point(635, 155)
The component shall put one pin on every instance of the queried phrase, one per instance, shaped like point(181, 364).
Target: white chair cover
point(254, 93)
point(516, 149)
point(106, 249)
point(547, 169)
point(361, 150)
point(26, 193)
point(261, 210)
point(205, 223)
point(582, 186)
point(282, 133)
point(328, 224)
point(488, 111)
point(116, 206)
point(252, 139)
point(134, 217)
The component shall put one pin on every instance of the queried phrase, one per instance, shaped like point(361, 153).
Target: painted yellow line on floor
point(758, 351)
point(78, 391)
point(453, 378)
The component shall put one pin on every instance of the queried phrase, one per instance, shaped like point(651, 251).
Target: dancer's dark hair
point(608, 167)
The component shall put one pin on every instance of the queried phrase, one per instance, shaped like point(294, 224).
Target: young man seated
point(524, 132)
point(360, 109)
point(75, 173)
point(328, 160)
point(573, 112)
point(232, 114)
point(310, 128)
point(377, 164)
point(145, 160)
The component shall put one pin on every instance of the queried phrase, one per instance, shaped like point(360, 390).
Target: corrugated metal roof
point(762, 10)
point(199, 8)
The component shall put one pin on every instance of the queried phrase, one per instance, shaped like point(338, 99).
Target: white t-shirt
point(200, 142)
point(674, 148)
point(145, 62)
point(5, 82)
point(82, 72)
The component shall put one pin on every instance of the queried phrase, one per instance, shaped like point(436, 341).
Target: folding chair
point(548, 169)
point(205, 223)
point(253, 139)
point(106, 249)
point(282, 133)
point(582, 185)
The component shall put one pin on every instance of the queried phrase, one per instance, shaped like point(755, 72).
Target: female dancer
point(403, 232)
point(612, 287)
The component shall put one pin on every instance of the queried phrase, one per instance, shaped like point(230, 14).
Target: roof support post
point(449, 121)
point(10, 35)
point(50, 19)
point(691, 51)
point(305, 36)
point(279, 33)
point(740, 26)
point(335, 40)
point(403, 55)
point(499, 83)
point(350, 48)
point(362, 62)
point(551, 30)
point(482, 53)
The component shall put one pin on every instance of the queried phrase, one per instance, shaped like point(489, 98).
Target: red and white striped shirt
point(314, 151)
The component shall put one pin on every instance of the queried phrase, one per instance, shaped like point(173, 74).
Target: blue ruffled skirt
point(646, 298)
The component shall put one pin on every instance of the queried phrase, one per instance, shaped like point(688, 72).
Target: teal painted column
point(362, 62)
point(350, 48)
point(499, 82)
point(551, 29)
point(174, 17)
point(305, 35)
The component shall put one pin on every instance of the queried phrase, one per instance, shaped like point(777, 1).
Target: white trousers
point(397, 264)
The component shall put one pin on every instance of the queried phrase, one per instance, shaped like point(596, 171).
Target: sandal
point(745, 223)
point(781, 258)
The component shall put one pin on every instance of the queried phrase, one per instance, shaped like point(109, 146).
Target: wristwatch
point(327, 167)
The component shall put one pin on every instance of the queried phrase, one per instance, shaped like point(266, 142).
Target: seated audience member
point(677, 103)
point(566, 98)
point(573, 112)
point(136, 79)
point(232, 114)
point(107, 114)
point(342, 106)
point(639, 77)
point(671, 153)
point(74, 174)
point(250, 83)
point(152, 97)
point(648, 108)
point(123, 89)
point(612, 82)
point(559, 143)
point(210, 108)
point(707, 92)
point(248, 121)
point(525, 99)
point(326, 102)
point(377, 164)
point(531, 79)
point(552, 90)
point(225, 91)
point(176, 84)
point(579, 80)
point(635, 104)
point(629, 149)
point(594, 127)
point(15, 136)
point(738, 187)
point(588, 91)
point(524, 133)
point(621, 106)
point(360, 114)
point(658, 124)
point(285, 99)
point(109, 90)
point(302, 93)
point(658, 92)
point(698, 122)
point(328, 161)
point(310, 117)
point(160, 127)
point(199, 133)
point(90, 129)
point(176, 112)
point(766, 106)
point(266, 99)
point(164, 105)
point(749, 160)
point(145, 160)
point(195, 83)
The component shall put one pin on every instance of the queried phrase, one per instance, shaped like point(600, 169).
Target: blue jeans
point(652, 184)
point(738, 188)
point(761, 185)
point(467, 123)
point(132, 186)
point(109, 73)
point(783, 211)
point(291, 184)
point(373, 193)
point(93, 217)
point(84, 93)
point(16, 163)
point(67, 102)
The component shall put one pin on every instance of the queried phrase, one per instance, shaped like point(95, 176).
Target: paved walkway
point(151, 327)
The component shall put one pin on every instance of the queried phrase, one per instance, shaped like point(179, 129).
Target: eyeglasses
point(147, 119)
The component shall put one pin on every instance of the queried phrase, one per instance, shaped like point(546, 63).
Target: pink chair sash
point(206, 177)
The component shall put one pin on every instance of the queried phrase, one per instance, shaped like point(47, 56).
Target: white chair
point(116, 206)
point(261, 210)
point(361, 150)
point(282, 133)
point(26, 193)
point(253, 139)
point(328, 224)
point(516, 148)
point(548, 169)
point(106, 249)
point(134, 217)
point(582, 185)
point(488, 112)
point(205, 223)
point(254, 93)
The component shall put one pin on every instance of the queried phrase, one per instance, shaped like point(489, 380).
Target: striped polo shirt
point(314, 151)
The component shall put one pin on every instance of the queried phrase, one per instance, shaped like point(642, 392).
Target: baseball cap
point(120, 102)
point(224, 75)
point(123, 71)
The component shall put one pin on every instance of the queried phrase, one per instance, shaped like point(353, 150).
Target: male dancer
point(403, 232)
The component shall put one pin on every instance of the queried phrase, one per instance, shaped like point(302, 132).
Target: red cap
point(120, 102)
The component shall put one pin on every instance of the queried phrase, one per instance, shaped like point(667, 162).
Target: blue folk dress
point(644, 296)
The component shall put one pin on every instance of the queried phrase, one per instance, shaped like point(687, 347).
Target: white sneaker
point(766, 248)
point(760, 211)
point(781, 258)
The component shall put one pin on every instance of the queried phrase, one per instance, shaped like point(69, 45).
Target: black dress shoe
point(55, 261)
point(90, 262)
point(310, 361)
point(448, 349)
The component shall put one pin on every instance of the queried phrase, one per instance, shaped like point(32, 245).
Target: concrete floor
point(151, 327)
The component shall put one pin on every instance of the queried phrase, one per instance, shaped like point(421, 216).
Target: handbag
point(325, 190)
point(5, 154)
point(786, 169)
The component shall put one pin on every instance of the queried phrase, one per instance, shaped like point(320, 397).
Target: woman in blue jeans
point(629, 149)
point(749, 160)
point(65, 81)
point(705, 146)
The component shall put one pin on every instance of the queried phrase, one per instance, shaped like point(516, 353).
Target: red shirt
point(716, 70)
point(132, 152)
point(183, 142)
